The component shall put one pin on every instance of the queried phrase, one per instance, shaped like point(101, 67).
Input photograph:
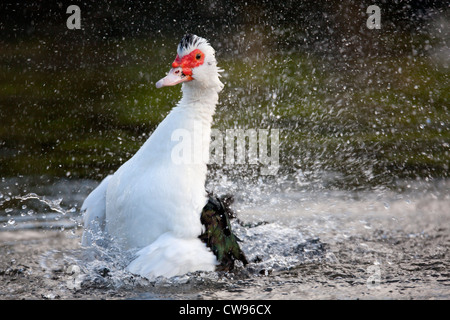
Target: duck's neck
point(189, 126)
point(199, 99)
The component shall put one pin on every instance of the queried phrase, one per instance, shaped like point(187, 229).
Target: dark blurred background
point(317, 26)
point(368, 106)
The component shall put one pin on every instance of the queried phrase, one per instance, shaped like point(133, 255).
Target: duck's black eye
point(198, 56)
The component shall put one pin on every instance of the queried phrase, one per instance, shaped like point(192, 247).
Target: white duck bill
point(174, 77)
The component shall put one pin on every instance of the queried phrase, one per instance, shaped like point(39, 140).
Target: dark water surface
point(301, 244)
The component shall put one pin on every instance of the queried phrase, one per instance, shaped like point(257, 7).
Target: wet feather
point(218, 235)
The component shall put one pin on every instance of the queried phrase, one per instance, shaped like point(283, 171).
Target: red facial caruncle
point(189, 61)
point(182, 69)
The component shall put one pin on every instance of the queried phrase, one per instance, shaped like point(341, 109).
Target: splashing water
point(283, 226)
point(269, 245)
point(54, 217)
point(54, 205)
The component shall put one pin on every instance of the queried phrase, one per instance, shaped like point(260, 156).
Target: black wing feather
point(218, 236)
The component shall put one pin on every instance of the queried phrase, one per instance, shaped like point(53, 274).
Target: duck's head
point(195, 64)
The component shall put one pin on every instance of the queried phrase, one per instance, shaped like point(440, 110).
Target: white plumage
point(154, 200)
point(169, 256)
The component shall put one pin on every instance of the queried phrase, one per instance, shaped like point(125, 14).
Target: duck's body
point(153, 193)
point(154, 201)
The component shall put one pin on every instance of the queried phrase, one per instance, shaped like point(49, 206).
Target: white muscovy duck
point(156, 201)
